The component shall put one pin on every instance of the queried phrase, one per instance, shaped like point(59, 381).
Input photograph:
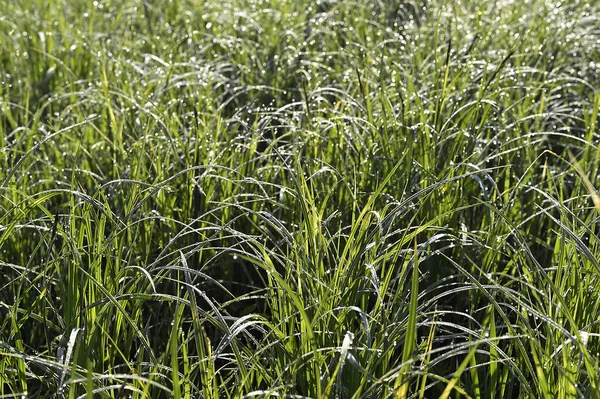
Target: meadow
point(299, 199)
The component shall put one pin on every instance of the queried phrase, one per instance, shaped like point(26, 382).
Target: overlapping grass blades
point(283, 198)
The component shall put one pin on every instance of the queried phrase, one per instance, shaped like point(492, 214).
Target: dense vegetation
point(284, 198)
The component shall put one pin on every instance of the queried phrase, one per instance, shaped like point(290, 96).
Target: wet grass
point(332, 199)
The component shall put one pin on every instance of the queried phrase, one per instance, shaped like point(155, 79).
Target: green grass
point(284, 198)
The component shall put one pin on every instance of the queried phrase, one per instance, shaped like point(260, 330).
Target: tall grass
point(332, 199)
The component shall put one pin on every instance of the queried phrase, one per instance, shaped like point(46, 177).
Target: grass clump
point(299, 199)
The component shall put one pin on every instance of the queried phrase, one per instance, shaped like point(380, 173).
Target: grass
point(332, 199)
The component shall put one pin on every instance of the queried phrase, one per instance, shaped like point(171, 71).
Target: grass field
point(294, 198)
